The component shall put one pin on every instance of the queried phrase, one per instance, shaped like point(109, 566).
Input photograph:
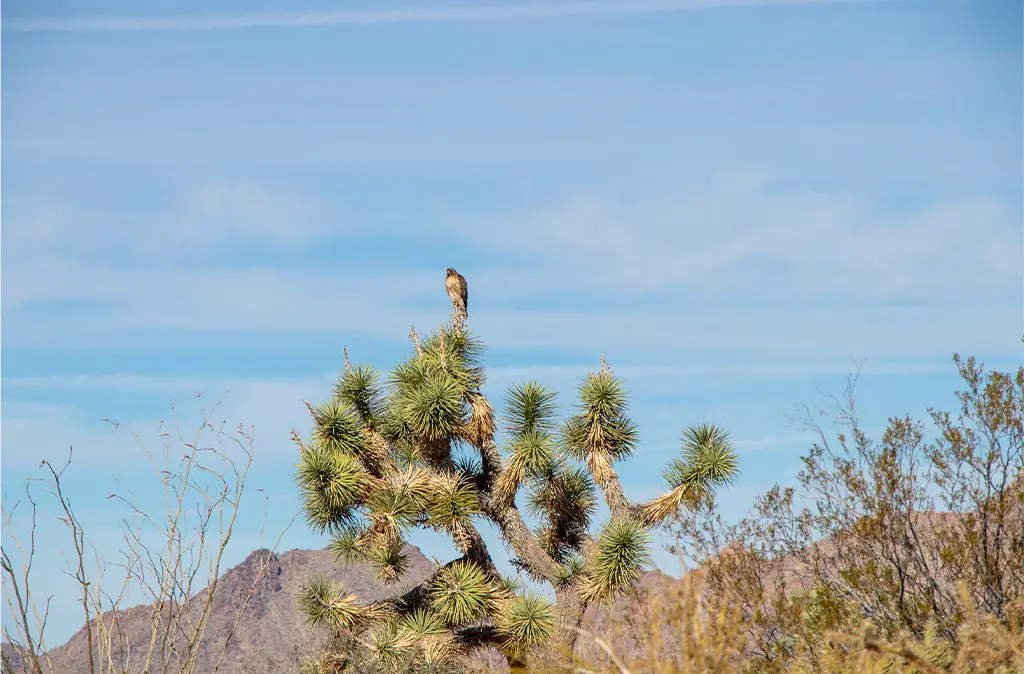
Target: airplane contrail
point(550, 10)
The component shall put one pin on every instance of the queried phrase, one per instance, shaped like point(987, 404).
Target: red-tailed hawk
point(457, 289)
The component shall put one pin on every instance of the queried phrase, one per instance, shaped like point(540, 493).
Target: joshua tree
point(419, 450)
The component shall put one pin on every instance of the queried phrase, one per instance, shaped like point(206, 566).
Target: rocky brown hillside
point(271, 634)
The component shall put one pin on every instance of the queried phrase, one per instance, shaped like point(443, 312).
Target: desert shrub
point(676, 631)
point(909, 542)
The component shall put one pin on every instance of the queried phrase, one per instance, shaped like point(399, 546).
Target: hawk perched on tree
point(457, 289)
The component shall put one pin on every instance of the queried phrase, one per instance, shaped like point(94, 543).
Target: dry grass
point(674, 632)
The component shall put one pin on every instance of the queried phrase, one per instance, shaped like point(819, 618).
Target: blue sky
point(733, 204)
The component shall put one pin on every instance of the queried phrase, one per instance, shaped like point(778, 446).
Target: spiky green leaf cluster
point(570, 569)
point(530, 408)
point(462, 593)
point(337, 428)
point(621, 556)
point(534, 453)
point(424, 623)
point(460, 352)
point(332, 484)
point(434, 409)
point(394, 507)
point(430, 392)
point(537, 452)
point(350, 542)
point(376, 545)
point(509, 585)
point(602, 426)
point(388, 558)
point(567, 500)
point(451, 352)
point(359, 390)
point(708, 461)
point(526, 622)
point(382, 643)
point(397, 433)
point(425, 634)
point(325, 604)
point(452, 500)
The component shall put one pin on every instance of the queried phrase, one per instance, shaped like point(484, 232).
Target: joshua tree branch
point(507, 517)
point(608, 480)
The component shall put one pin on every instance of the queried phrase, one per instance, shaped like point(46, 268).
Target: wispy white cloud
point(226, 212)
point(738, 268)
point(737, 236)
point(214, 217)
point(508, 12)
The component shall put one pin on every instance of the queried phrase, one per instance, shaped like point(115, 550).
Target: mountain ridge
point(271, 633)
